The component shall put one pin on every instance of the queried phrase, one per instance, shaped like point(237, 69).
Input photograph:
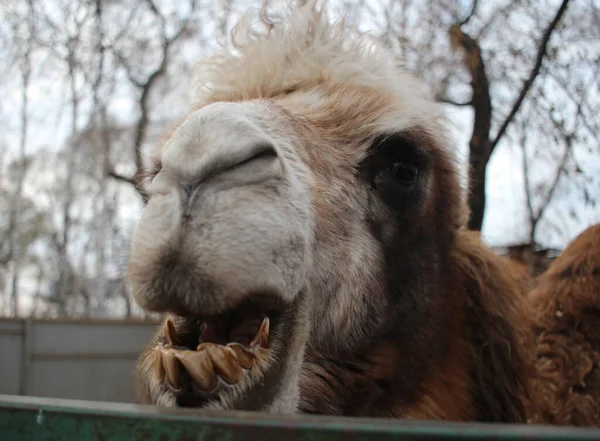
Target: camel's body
point(306, 233)
point(565, 319)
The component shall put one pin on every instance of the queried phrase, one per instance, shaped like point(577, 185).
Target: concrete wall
point(71, 359)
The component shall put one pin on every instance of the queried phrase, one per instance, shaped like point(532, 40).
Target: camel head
point(308, 204)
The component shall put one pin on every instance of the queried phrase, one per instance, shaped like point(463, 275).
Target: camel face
point(286, 218)
point(270, 210)
point(305, 233)
point(316, 218)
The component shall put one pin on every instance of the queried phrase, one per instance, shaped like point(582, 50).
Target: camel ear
point(502, 349)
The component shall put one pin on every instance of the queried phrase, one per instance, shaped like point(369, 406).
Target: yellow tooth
point(172, 335)
point(169, 363)
point(244, 356)
point(261, 339)
point(159, 369)
point(204, 346)
point(226, 363)
point(200, 367)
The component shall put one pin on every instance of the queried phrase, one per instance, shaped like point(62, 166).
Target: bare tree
point(24, 64)
point(482, 142)
point(145, 85)
point(99, 52)
point(519, 68)
point(540, 195)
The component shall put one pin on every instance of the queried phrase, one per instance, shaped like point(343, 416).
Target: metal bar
point(39, 419)
point(52, 356)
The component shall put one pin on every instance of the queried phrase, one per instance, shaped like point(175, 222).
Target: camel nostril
point(267, 152)
point(259, 165)
point(263, 152)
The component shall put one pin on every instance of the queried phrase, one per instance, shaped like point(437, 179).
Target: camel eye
point(405, 173)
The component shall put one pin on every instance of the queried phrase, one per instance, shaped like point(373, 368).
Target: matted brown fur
point(565, 308)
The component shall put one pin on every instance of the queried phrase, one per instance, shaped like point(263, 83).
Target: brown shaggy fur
point(483, 374)
point(565, 307)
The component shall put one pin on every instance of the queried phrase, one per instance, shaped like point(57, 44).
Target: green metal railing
point(40, 419)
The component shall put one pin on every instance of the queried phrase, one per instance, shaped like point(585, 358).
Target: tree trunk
point(479, 145)
point(477, 197)
point(15, 251)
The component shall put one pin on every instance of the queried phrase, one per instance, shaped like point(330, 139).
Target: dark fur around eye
point(406, 173)
point(400, 153)
point(396, 168)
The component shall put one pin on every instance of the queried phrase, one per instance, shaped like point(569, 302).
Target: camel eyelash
point(402, 148)
point(396, 151)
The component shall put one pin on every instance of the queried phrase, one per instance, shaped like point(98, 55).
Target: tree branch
point(134, 181)
point(140, 132)
point(101, 51)
point(582, 107)
point(14, 221)
point(146, 88)
point(119, 177)
point(445, 100)
point(468, 17)
point(532, 75)
point(528, 192)
point(568, 137)
point(554, 185)
point(482, 108)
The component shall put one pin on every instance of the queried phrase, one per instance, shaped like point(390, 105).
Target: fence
point(71, 359)
point(66, 360)
point(37, 419)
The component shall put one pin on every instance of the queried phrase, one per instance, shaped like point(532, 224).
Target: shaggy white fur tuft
point(270, 56)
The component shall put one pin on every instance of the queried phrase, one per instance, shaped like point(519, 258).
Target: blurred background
point(87, 86)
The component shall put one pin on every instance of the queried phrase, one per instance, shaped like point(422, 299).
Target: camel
point(306, 237)
point(565, 319)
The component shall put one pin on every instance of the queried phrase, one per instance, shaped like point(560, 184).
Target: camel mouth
point(242, 324)
point(249, 323)
point(220, 351)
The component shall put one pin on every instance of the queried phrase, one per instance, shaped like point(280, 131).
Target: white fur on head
point(271, 56)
